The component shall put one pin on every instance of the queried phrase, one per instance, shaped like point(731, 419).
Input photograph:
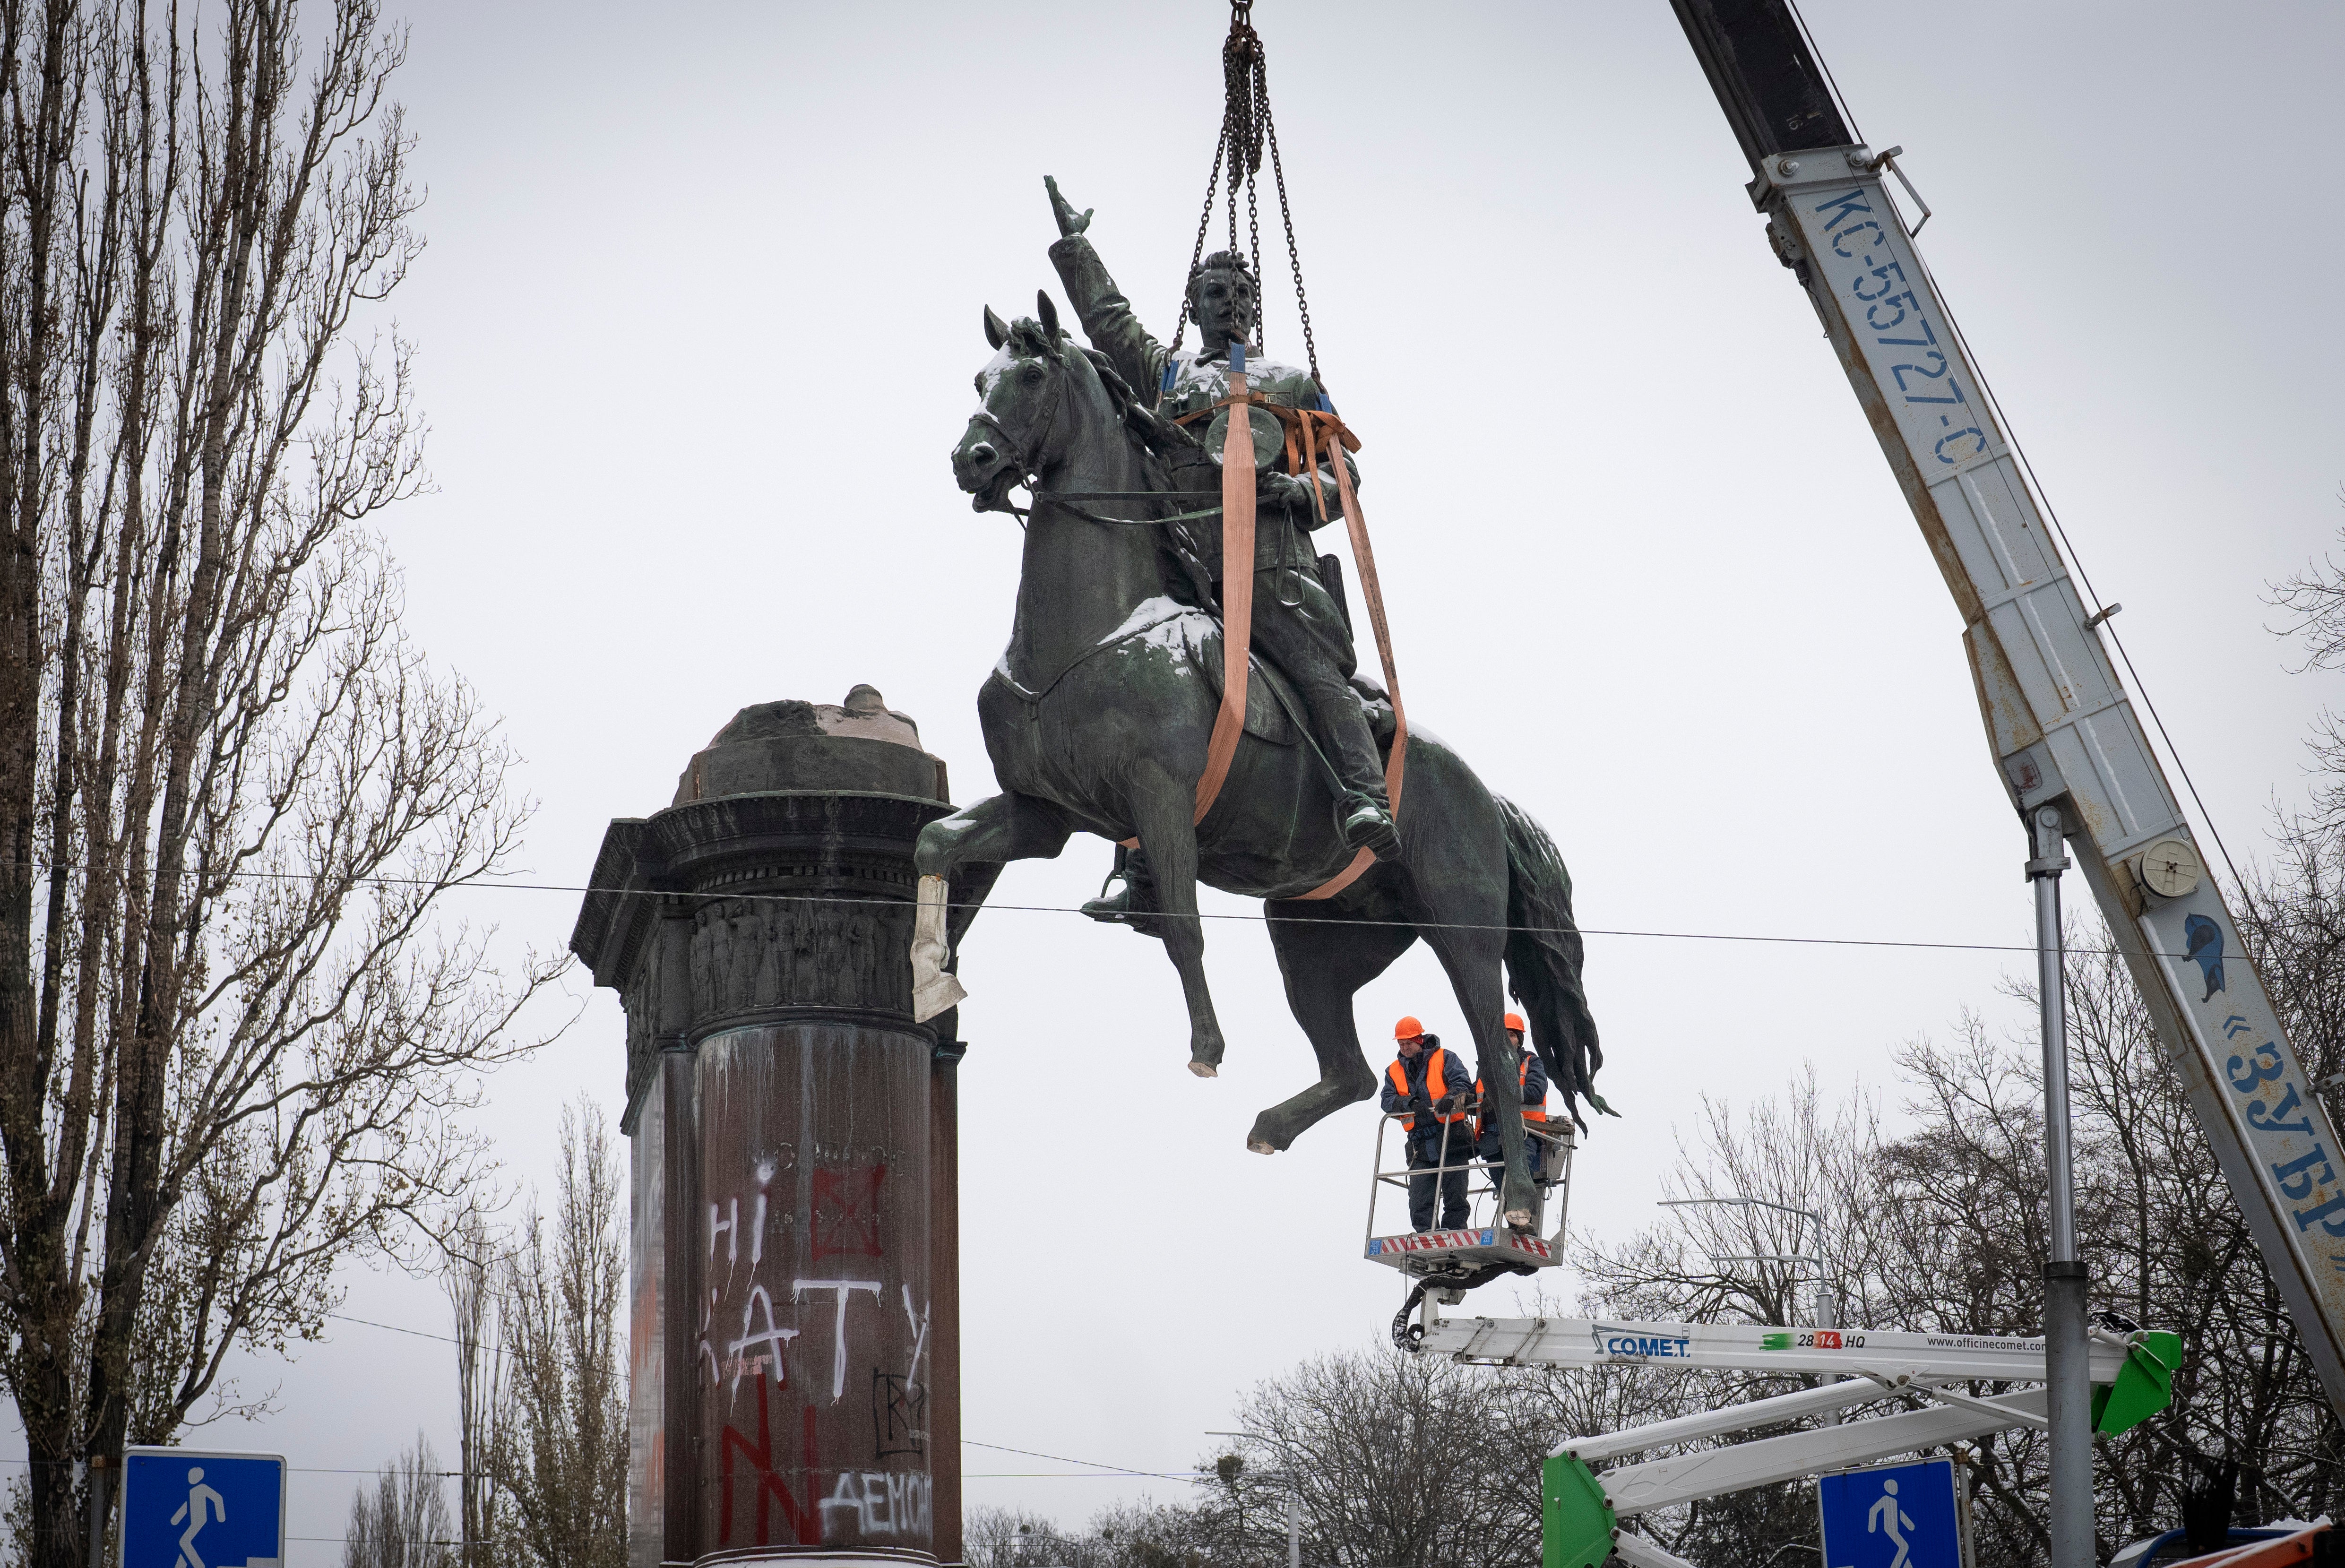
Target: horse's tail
point(1543, 960)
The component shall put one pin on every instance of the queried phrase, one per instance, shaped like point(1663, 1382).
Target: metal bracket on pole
point(1987, 1407)
point(1640, 1552)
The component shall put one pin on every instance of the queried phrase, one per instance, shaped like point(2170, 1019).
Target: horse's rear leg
point(1471, 953)
point(1325, 963)
point(1165, 806)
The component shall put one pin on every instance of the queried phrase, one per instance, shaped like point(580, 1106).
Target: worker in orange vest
point(1425, 1086)
point(1531, 1074)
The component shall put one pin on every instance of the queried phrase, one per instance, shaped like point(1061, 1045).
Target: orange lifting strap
point(1305, 430)
point(1247, 132)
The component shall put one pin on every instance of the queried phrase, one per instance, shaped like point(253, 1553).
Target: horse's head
point(1023, 421)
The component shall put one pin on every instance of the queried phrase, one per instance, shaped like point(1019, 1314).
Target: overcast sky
point(697, 323)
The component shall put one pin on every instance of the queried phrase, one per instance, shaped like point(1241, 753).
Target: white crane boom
point(2063, 731)
point(1894, 1356)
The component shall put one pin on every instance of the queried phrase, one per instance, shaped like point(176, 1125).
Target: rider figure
point(1296, 621)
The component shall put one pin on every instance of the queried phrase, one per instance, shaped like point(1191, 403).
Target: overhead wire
point(576, 889)
point(1099, 1469)
point(291, 1468)
point(1105, 1468)
point(1240, 915)
point(968, 1441)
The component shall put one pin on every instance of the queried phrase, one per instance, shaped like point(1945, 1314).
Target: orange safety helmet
point(1408, 1028)
point(1515, 1021)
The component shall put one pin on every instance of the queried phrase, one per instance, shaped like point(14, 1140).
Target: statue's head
point(1224, 299)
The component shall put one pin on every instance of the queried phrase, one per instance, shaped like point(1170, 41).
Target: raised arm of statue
point(1106, 315)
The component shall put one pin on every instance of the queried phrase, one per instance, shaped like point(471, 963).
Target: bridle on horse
point(1021, 453)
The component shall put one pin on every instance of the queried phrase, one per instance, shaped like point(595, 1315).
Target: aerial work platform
point(1485, 1246)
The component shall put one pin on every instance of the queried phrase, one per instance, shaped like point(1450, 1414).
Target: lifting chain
point(1246, 131)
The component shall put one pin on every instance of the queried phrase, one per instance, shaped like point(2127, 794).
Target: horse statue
point(1097, 717)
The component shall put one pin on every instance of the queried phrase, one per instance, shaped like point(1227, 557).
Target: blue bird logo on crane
point(2202, 939)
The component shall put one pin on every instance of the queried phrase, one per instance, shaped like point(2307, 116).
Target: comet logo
point(1616, 1342)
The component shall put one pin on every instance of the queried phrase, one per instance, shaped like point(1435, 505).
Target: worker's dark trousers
point(1311, 648)
point(1423, 1153)
point(1491, 1151)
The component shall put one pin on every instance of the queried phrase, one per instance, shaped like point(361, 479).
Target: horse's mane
point(1155, 439)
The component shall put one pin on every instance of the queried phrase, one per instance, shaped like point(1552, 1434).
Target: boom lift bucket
point(1485, 1247)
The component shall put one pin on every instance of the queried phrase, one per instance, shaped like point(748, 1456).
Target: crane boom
point(2063, 731)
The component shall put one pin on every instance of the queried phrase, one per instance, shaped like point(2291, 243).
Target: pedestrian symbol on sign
point(200, 1499)
point(1891, 1521)
point(1890, 1516)
point(187, 1510)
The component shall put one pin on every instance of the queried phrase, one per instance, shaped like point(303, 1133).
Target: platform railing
point(1554, 1139)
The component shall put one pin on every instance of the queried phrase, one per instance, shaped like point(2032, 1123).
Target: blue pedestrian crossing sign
point(1890, 1516)
point(182, 1508)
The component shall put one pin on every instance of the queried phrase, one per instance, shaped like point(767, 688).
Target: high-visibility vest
point(1522, 1081)
point(1435, 1088)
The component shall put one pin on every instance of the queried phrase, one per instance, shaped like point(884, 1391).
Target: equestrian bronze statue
point(1099, 716)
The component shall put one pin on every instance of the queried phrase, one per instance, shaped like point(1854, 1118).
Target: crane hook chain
point(1246, 130)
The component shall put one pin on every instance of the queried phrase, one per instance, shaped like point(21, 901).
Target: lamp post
point(1826, 1305)
point(1293, 1503)
point(1827, 1300)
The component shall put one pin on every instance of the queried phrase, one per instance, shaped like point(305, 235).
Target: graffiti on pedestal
point(773, 1340)
point(897, 1406)
point(899, 1401)
point(846, 1213)
point(804, 1524)
point(841, 1290)
point(883, 1503)
point(749, 1358)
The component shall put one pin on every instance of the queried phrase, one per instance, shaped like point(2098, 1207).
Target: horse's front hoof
point(1262, 1145)
point(1205, 1069)
point(1519, 1221)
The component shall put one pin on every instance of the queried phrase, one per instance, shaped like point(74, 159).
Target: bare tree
point(560, 1452)
point(470, 1266)
point(1145, 1534)
point(232, 795)
point(405, 1522)
point(2314, 598)
point(1392, 1461)
point(1771, 1203)
point(1013, 1538)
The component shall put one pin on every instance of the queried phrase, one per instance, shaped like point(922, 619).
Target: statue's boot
point(1134, 898)
point(1113, 908)
point(1367, 824)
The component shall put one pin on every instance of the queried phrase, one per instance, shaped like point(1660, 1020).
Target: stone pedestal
point(796, 1307)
